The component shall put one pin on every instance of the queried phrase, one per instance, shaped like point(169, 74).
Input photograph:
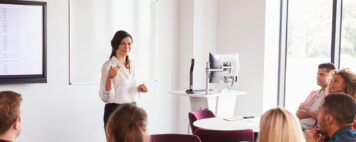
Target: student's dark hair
point(127, 124)
point(9, 109)
point(328, 66)
point(341, 106)
point(115, 42)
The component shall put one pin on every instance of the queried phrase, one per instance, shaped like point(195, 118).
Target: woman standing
point(118, 84)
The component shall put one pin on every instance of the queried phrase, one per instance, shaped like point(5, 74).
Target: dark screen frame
point(35, 78)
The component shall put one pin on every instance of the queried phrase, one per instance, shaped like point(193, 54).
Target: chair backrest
point(174, 138)
point(199, 114)
point(225, 136)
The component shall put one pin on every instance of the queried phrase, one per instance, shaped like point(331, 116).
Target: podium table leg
point(221, 106)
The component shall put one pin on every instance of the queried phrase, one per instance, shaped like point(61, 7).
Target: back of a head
point(341, 106)
point(9, 109)
point(279, 125)
point(127, 124)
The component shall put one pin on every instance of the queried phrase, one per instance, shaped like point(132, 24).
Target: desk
point(200, 101)
point(218, 123)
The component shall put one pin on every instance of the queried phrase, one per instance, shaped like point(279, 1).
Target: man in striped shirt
point(308, 110)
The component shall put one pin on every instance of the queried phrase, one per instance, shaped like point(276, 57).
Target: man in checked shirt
point(308, 110)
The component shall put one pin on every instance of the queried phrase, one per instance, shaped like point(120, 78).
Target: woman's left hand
point(142, 88)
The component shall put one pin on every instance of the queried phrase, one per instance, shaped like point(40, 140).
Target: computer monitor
point(224, 67)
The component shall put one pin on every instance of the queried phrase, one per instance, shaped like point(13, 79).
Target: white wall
point(167, 44)
point(184, 54)
point(224, 25)
point(58, 112)
point(197, 37)
point(204, 38)
point(241, 28)
point(271, 54)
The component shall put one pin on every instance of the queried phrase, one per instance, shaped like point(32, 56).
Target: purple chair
point(174, 138)
point(197, 115)
point(225, 136)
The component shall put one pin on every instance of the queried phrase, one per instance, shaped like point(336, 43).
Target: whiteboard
point(93, 23)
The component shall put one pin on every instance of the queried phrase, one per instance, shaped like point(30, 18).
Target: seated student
point(127, 124)
point(10, 116)
point(307, 111)
point(343, 81)
point(279, 125)
point(335, 119)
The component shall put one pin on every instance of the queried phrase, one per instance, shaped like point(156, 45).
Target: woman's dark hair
point(349, 79)
point(127, 124)
point(115, 42)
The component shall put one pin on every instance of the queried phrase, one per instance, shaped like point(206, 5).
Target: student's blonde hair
point(279, 125)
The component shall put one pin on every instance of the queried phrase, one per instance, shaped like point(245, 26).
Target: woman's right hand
point(113, 72)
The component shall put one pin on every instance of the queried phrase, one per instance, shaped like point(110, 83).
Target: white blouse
point(124, 88)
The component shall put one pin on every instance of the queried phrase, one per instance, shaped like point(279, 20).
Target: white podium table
point(218, 123)
point(226, 98)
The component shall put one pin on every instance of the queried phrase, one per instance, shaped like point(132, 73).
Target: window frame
point(283, 32)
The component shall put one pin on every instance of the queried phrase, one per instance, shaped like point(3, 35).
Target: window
point(308, 45)
point(313, 32)
point(348, 35)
